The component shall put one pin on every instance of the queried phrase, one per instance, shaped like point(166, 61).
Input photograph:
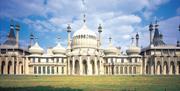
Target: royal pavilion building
point(84, 55)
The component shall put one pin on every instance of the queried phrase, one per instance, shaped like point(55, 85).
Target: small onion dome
point(58, 49)
point(111, 50)
point(36, 49)
point(133, 50)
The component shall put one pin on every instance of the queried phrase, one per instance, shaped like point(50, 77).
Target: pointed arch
point(10, 67)
point(77, 67)
point(159, 68)
point(15, 67)
point(178, 67)
point(85, 67)
point(3, 67)
point(93, 66)
point(71, 66)
point(165, 68)
point(172, 68)
point(98, 66)
point(20, 67)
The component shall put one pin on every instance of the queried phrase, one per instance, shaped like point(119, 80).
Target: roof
point(157, 40)
point(11, 38)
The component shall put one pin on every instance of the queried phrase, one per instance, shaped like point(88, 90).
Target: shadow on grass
point(38, 88)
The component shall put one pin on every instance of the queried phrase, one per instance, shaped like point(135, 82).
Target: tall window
point(62, 60)
point(57, 70)
point(47, 60)
point(62, 70)
point(130, 60)
point(52, 70)
point(57, 60)
point(44, 71)
point(39, 60)
point(48, 70)
point(135, 60)
point(35, 70)
point(39, 70)
point(122, 60)
point(33, 60)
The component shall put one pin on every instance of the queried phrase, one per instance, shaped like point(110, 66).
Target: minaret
point(137, 40)
point(132, 43)
point(99, 30)
point(69, 36)
point(151, 31)
point(178, 44)
point(17, 35)
point(31, 40)
point(110, 41)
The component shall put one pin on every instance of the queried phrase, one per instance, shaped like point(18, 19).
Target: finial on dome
point(110, 40)
point(58, 38)
point(68, 28)
point(132, 40)
point(100, 28)
point(156, 24)
point(179, 27)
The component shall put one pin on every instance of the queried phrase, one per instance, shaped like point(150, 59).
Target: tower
point(137, 40)
point(31, 39)
point(150, 30)
point(69, 36)
point(99, 31)
point(17, 35)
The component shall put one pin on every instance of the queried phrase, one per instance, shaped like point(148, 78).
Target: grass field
point(90, 83)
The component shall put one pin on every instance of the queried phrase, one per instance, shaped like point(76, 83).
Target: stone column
point(89, 66)
point(50, 72)
point(95, 65)
point(0, 66)
point(45, 70)
point(152, 67)
point(169, 66)
point(115, 70)
point(145, 64)
point(73, 64)
point(12, 66)
point(80, 64)
point(68, 66)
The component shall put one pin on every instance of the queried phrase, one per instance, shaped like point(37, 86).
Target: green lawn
point(90, 83)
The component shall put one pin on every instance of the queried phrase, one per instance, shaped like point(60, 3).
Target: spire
point(132, 42)
point(68, 28)
point(137, 40)
point(110, 40)
point(157, 39)
point(58, 39)
point(84, 18)
point(11, 40)
point(100, 28)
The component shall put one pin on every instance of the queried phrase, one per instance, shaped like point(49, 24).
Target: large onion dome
point(36, 49)
point(58, 49)
point(84, 38)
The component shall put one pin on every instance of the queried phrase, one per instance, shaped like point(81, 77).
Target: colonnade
point(84, 65)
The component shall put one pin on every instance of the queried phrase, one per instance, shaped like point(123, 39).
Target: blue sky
point(121, 19)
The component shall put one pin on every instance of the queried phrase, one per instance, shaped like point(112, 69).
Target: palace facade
point(84, 55)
